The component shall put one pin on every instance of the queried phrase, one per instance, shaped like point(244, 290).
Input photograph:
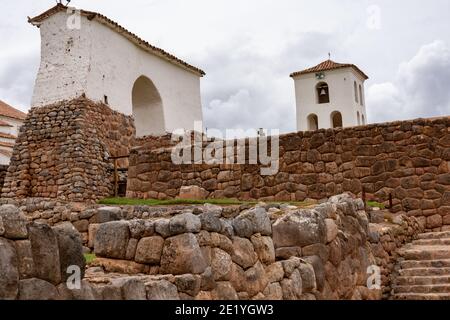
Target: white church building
point(330, 95)
point(84, 52)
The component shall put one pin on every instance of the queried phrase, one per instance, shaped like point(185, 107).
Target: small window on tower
point(323, 94)
point(105, 99)
point(355, 89)
point(360, 95)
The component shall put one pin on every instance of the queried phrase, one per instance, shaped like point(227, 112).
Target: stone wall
point(154, 142)
point(270, 251)
point(63, 151)
point(34, 257)
point(408, 159)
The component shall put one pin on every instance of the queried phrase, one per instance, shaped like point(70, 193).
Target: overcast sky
point(249, 48)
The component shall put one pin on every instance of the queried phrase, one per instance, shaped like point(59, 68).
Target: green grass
point(89, 257)
point(153, 202)
point(375, 204)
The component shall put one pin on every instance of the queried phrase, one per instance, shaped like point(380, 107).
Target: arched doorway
point(363, 120)
point(148, 110)
point(359, 118)
point(313, 122)
point(336, 119)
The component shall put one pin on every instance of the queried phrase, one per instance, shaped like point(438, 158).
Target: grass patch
point(222, 202)
point(375, 204)
point(154, 202)
point(89, 257)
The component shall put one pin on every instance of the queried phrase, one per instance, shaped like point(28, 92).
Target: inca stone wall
point(269, 251)
point(63, 151)
point(3, 171)
point(408, 159)
point(34, 257)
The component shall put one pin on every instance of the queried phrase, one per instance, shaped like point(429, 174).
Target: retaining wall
point(408, 159)
point(270, 251)
point(63, 151)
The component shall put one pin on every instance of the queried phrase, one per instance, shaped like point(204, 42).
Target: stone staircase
point(424, 271)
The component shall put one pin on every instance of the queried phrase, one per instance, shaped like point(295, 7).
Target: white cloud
point(249, 48)
point(419, 89)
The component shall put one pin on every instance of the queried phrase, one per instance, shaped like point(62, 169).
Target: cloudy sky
point(249, 48)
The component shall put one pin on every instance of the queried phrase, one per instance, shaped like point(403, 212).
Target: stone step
point(409, 264)
point(422, 296)
point(432, 242)
point(422, 272)
point(422, 280)
point(435, 235)
point(435, 288)
point(425, 252)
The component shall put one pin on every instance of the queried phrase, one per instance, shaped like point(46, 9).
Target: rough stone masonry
point(267, 251)
point(407, 159)
point(63, 151)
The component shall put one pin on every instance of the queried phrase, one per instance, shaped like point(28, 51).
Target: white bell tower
point(330, 95)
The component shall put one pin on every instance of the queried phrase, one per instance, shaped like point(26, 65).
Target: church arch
point(148, 109)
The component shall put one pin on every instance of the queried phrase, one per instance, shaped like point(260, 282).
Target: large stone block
point(37, 289)
point(107, 214)
point(255, 279)
point(161, 290)
point(25, 259)
point(221, 264)
point(224, 291)
point(45, 251)
point(149, 250)
point(299, 228)
point(111, 240)
point(249, 222)
point(188, 283)
point(185, 223)
point(319, 270)
point(13, 223)
point(308, 277)
point(70, 249)
point(9, 273)
point(264, 248)
point(211, 221)
point(131, 288)
point(182, 254)
point(193, 192)
point(243, 252)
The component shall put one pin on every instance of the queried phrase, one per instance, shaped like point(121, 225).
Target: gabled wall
point(97, 61)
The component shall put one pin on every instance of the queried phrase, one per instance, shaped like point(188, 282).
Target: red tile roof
point(6, 153)
point(6, 144)
point(329, 65)
point(7, 111)
point(4, 124)
point(7, 136)
point(121, 30)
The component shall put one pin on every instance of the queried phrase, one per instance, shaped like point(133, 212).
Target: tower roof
point(7, 111)
point(121, 30)
point(329, 65)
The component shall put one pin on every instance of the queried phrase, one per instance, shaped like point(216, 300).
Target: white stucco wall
point(342, 98)
point(99, 62)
